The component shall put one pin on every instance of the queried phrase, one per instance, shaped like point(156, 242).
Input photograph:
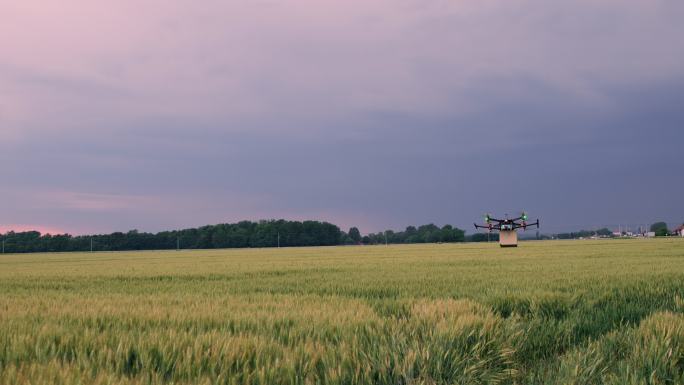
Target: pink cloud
point(4, 228)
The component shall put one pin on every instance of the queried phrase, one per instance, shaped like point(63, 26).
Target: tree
point(660, 229)
point(604, 232)
point(355, 235)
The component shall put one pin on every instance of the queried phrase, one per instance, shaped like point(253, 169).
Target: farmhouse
point(679, 231)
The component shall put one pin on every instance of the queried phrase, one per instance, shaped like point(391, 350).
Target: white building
point(679, 231)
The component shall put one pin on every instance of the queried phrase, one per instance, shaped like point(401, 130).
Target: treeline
point(484, 237)
point(423, 234)
point(604, 232)
point(270, 233)
point(267, 233)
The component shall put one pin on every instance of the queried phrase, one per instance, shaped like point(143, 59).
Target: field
point(552, 312)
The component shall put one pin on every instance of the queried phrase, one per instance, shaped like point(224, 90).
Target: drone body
point(507, 228)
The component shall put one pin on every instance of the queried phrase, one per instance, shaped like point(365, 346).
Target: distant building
point(649, 234)
point(679, 231)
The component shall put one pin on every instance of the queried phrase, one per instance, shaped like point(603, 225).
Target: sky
point(156, 115)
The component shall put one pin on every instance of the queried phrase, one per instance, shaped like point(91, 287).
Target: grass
point(555, 312)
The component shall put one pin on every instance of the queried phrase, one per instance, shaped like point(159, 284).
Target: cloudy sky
point(158, 114)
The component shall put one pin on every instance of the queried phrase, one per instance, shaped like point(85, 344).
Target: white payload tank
point(508, 238)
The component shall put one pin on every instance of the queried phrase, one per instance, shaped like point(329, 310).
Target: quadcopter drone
point(508, 237)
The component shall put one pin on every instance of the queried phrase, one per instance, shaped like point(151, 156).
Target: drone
point(508, 237)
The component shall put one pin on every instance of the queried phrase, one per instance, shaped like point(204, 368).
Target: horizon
point(377, 115)
point(628, 227)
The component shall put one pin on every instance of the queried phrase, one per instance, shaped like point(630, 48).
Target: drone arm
point(488, 227)
point(525, 226)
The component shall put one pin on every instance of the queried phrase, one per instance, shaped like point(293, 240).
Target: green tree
point(355, 235)
point(660, 229)
point(604, 232)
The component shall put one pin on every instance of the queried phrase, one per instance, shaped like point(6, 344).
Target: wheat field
point(551, 312)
